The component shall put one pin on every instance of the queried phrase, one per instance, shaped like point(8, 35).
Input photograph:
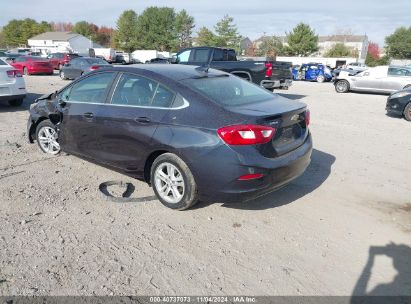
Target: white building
point(51, 42)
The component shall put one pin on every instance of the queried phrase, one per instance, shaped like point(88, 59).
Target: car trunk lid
point(287, 117)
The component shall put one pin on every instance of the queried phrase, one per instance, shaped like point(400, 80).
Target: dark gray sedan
point(192, 133)
point(81, 65)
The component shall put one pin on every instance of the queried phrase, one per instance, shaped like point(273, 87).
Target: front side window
point(184, 56)
point(136, 90)
point(92, 89)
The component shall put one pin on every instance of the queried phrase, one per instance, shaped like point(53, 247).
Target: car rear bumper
point(273, 84)
point(277, 172)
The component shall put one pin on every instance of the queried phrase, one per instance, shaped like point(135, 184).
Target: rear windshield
point(228, 90)
point(96, 61)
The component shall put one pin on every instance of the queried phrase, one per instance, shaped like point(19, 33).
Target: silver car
point(381, 79)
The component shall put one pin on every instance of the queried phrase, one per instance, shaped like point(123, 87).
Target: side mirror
point(174, 59)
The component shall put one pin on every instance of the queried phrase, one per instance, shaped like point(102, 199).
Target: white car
point(381, 79)
point(12, 85)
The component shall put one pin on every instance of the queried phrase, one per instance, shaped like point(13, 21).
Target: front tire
point(320, 78)
point(47, 137)
point(16, 102)
point(407, 112)
point(62, 75)
point(173, 182)
point(342, 86)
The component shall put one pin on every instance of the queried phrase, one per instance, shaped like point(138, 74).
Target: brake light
point(269, 69)
point(307, 117)
point(251, 176)
point(246, 134)
point(13, 74)
point(94, 67)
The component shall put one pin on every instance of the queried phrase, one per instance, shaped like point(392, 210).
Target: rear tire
point(407, 112)
point(342, 86)
point(171, 175)
point(16, 102)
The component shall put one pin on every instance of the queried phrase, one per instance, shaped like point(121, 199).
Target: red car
point(32, 65)
point(57, 60)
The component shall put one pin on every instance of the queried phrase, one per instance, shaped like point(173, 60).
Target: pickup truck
point(268, 74)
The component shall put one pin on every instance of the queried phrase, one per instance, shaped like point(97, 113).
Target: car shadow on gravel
point(317, 172)
point(30, 97)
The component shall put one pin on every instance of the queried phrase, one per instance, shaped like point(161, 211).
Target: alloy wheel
point(47, 138)
point(169, 183)
point(342, 86)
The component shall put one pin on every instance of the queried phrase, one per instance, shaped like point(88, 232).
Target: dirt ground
point(342, 227)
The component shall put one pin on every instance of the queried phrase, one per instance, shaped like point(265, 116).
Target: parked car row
point(382, 79)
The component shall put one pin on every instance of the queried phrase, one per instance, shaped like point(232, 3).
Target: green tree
point(205, 37)
point(156, 29)
point(125, 36)
point(227, 34)
point(270, 46)
point(17, 32)
point(339, 50)
point(184, 25)
point(86, 29)
point(2, 42)
point(398, 44)
point(302, 41)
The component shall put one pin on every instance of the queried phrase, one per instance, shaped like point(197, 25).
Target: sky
point(376, 18)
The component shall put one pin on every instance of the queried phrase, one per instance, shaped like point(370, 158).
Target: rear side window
point(231, 55)
point(228, 90)
point(201, 55)
point(135, 90)
point(218, 55)
point(92, 89)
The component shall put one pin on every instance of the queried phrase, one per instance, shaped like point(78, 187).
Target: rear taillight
point(269, 69)
point(94, 67)
point(307, 117)
point(13, 74)
point(251, 176)
point(246, 134)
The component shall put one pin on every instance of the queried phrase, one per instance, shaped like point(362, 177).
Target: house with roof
point(68, 42)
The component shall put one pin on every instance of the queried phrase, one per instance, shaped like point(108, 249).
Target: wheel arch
point(149, 163)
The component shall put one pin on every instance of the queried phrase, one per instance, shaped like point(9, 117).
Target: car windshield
point(96, 61)
point(228, 90)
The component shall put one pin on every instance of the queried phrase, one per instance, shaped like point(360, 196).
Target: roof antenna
point(205, 67)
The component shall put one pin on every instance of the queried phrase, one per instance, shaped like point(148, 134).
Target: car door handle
point(88, 115)
point(142, 120)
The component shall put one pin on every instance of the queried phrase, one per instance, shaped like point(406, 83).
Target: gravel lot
point(60, 236)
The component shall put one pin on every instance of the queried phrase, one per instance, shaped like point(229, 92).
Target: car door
point(81, 104)
point(128, 123)
point(393, 81)
point(18, 64)
point(368, 80)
